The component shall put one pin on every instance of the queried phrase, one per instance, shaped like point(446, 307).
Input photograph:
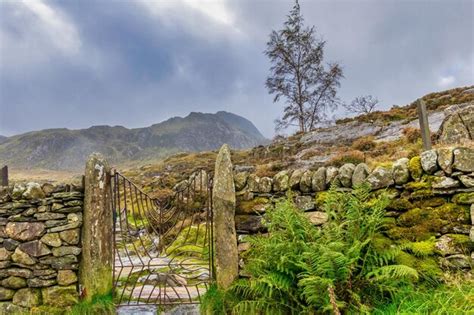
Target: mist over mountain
point(65, 149)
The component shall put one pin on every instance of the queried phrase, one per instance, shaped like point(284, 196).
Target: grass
point(99, 305)
point(453, 298)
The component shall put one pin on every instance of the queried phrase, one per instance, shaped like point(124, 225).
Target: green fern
point(291, 270)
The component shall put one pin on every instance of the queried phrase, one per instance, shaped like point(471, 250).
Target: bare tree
point(299, 75)
point(362, 104)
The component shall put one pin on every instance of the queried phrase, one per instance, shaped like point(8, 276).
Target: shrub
point(412, 135)
point(364, 144)
point(301, 269)
point(353, 156)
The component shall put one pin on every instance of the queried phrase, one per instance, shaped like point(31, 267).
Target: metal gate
point(163, 249)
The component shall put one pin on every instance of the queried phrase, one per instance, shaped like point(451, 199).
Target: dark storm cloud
point(134, 63)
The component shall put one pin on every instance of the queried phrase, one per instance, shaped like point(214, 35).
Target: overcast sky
point(135, 63)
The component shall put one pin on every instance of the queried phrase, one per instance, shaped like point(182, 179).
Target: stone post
point(4, 176)
point(225, 236)
point(95, 270)
point(424, 125)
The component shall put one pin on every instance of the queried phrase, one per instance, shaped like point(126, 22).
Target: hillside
point(374, 138)
point(64, 149)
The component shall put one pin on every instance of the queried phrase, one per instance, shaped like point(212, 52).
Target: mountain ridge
point(67, 149)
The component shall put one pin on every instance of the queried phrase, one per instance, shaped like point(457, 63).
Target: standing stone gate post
point(225, 236)
point(95, 270)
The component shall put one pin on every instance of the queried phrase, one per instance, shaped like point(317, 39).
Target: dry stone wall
point(432, 200)
point(40, 230)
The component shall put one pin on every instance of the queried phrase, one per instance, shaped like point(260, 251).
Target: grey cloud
point(135, 69)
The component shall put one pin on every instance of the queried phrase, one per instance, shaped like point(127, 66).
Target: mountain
point(65, 149)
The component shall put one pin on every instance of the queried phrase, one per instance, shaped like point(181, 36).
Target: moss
point(430, 202)
point(405, 259)
point(400, 204)
point(421, 185)
point(382, 243)
point(419, 224)
point(414, 166)
point(428, 267)
point(421, 248)
point(413, 217)
point(464, 198)
point(320, 199)
point(252, 206)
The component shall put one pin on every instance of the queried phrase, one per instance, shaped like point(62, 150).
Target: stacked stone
point(437, 178)
point(39, 246)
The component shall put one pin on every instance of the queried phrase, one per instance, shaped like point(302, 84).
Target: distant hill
point(64, 149)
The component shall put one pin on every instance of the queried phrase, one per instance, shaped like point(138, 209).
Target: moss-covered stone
point(415, 168)
point(430, 202)
point(419, 224)
point(451, 244)
point(466, 198)
point(400, 204)
point(58, 296)
point(252, 206)
point(427, 267)
point(321, 199)
point(421, 248)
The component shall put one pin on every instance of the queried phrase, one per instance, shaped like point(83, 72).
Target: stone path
point(189, 309)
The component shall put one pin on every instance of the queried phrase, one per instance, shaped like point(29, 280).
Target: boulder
point(71, 236)
point(8, 308)
point(457, 126)
point(451, 244)
point(13, 282)
point(463, 159)
point(4, 254)
point(24, 231)
point(304, 203)
point(60, 296)
point(52, 239)
point(455, 262)
point(467, 181)
point(331, 174)
point(18, 190)
point(6, 294)
point(249, 223)
point(444, 183)
point(265, 185)
point(240, 180)
point(295, 179)
point(318, 181)
point(317, 217)
point(33, 191)
point(20, 272)
point(253, 182)
point(35, 248)
point(21, 257)
point(381, 177)
point(429, 161)
point(281, 181)
point(66, 277)
point(345, 174)
point(306, 181)
point(445, 159)
point(41, 283)
point(401, 174)
point(66, 250)
point(360, 174)
point(27, 297)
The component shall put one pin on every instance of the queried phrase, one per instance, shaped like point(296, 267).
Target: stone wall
point(432, 200)
point(40, 230)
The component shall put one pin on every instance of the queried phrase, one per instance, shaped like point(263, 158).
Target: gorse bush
point(302, 269)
